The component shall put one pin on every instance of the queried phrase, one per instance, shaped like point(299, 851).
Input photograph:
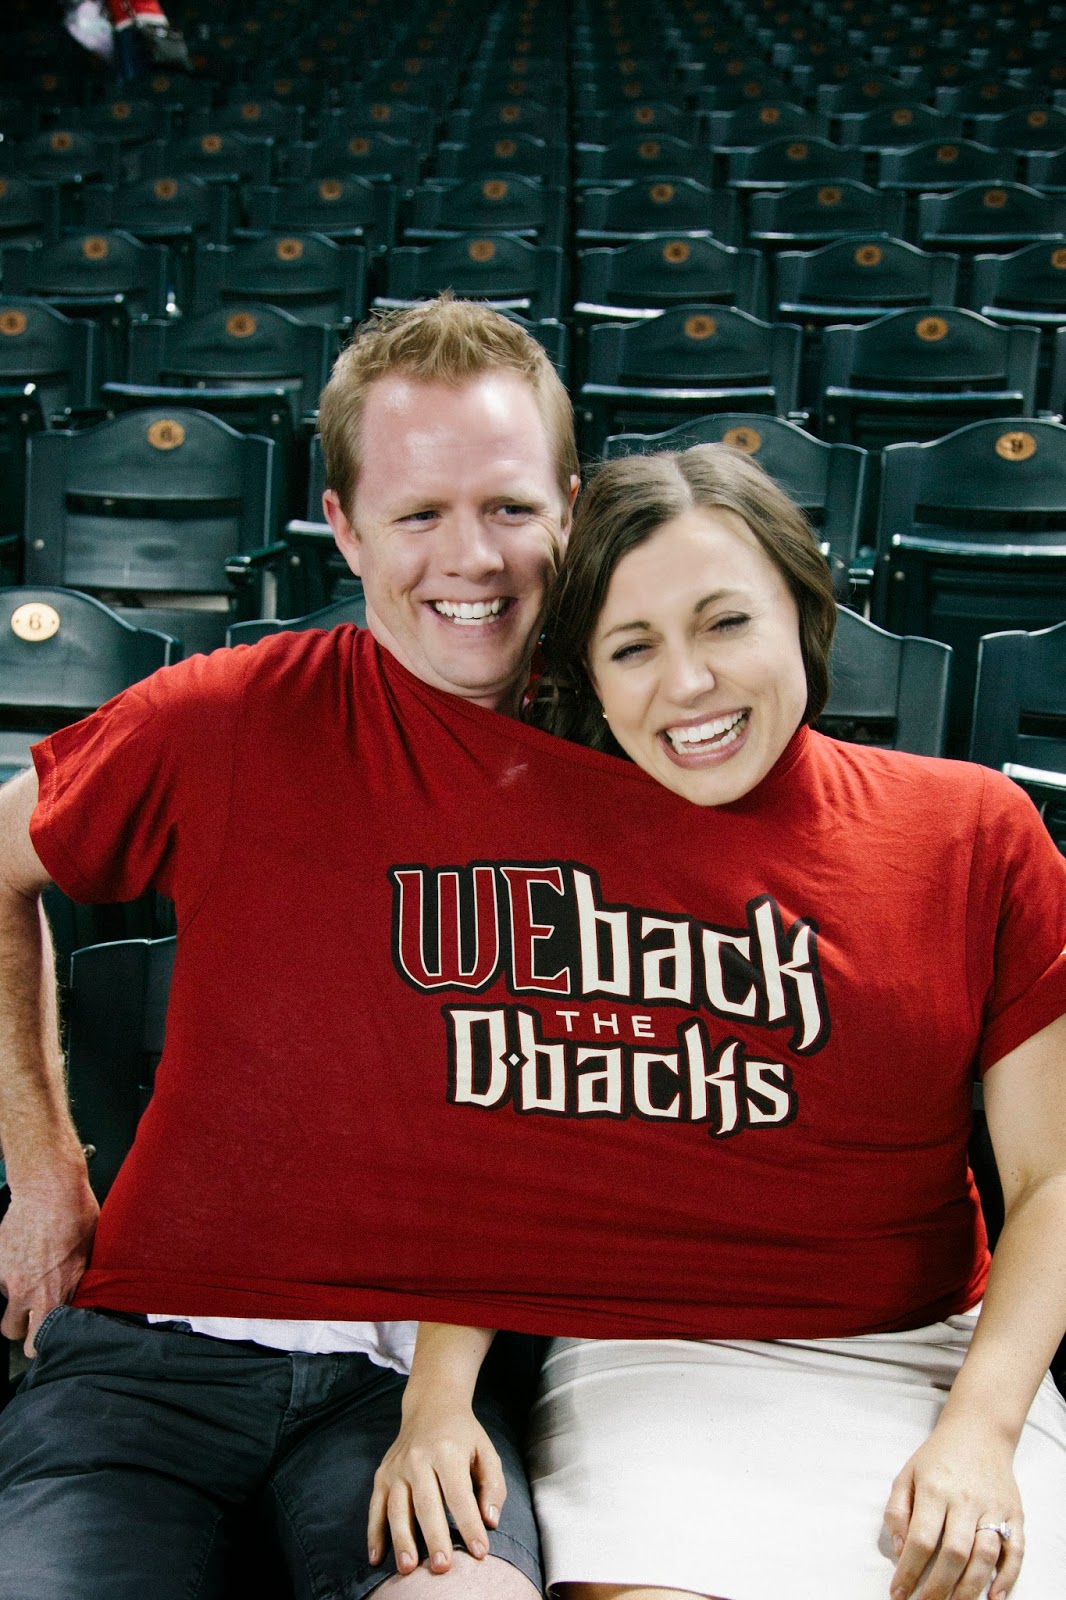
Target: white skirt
point(752, 1470)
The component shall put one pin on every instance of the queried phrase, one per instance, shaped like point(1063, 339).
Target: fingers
point(958, 1560)
point(491, 1485)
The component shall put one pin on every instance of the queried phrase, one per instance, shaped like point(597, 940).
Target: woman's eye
point(728, 624)
point(628, 652)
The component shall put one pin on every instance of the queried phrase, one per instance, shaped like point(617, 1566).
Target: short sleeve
point(1018, 888)
point(149, 772)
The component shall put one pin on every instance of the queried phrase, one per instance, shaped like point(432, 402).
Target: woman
point(809, 1450)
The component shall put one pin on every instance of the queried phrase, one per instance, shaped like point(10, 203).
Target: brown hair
point(629, 500)
point(439, 341)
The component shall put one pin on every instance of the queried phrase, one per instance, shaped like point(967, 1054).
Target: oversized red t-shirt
point(474, 1025)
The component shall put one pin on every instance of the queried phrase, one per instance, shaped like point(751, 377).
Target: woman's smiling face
point(696, 657)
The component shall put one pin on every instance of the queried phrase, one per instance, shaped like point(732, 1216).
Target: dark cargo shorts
point(130, 1451)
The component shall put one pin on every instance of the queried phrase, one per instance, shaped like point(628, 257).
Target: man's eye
point(419, 516)
point(516, 510)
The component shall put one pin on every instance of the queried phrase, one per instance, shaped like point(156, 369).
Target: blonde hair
point(439, 341)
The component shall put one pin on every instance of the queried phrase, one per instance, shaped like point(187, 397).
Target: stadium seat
point(829, 481)
point(351, 609)
point(938, 164)
point(29, 212)
point(661, 157)
point(496, 203)
point(649, 275)
point(639, 208)
point(1019, 716)
point(689, 361)
point(504, 271)
point(144, 510)
point(62, 654)
point(915, 374)
point(817, 213)
point(984, 217)
point(359, 155)
point(886, 689)
point(502, 155)
point(57, 354)
point(354, 210)
point(314, 278)
point(216, 157)
point(971, 538)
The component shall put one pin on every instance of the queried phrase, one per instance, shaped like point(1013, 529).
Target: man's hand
point(441, 1458)
point(45, 1240)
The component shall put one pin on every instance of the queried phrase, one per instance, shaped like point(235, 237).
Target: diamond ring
point(1004, 1529)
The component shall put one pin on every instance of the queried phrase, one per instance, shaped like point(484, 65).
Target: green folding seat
point(109, 277)
point(358, 155)
point(989, 216)
point(829, 481)
point(938, 164)
point(506, 272)
point(636, 280)
point(497, 203)
point(144, 511)
point(658, 156)
point(62, 654)
point(972, 538)
point(786, 162)
point(916, 374)
point(1026, 287)
point(891, 127)
point(1019, 716)
point(255, 117)
point(217, 156)
point(663, 207)
point(58, 355)
point(354, 210)
point(29, 212)
point(808, 214)
point(648, 118)
point(314, 278)
point(887, 690)
point(502, 154)
point(1024, 129)
point(686, 362)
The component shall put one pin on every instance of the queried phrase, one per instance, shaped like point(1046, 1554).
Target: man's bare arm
point(46, 1236)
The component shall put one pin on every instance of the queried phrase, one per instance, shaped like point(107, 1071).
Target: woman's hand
point(961, 1477)
point(442, 1458)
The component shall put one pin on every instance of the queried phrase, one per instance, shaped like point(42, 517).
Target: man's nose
point(470, 548)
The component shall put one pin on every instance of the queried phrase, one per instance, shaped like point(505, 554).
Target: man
point(259, 789)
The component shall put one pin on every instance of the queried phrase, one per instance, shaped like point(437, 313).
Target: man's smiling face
point(457, 524)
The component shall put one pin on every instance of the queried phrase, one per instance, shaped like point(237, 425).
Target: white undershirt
point(388, 1344)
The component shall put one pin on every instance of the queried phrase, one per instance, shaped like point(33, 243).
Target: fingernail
point(899, 1594)
point(374, 1555)
point(439, 1561)
point(405, 1561)
point(493, 1515)
point(897, 1544)
point(478, 1549)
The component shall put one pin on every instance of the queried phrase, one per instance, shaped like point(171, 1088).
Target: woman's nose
point(687, 673)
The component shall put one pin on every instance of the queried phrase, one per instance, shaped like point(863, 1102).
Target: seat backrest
point(498, 268)
point(698, 346)
point(93, 264)
point(339, 207)
point(1020, 701)
point(151, 501)
point(350, 609)
point(869, 270)
point(171, 206)
point(829, 481)
point(981, 213)
point(115, 1028)
point(62, 654)
point(937, 348)
point(817, 212)
point(312, 277)
point(1034, 276)
point(944, 164)
point(656, 273)
point(887, 690)
point(622, 211)
point(58, 354)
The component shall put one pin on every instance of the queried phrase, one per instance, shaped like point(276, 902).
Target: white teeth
point(705, 732)
point(469, 610)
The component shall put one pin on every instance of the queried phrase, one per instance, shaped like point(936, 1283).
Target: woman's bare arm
point(442, 1459)
point(46, 1236)
point(963, 1475)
